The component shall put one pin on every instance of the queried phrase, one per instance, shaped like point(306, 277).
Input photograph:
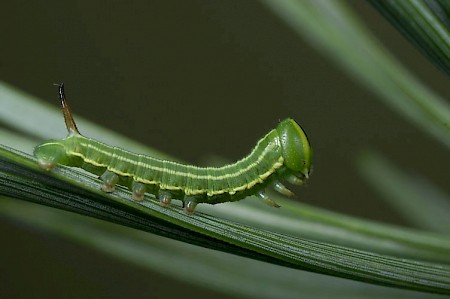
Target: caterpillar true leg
point(279, 187)
point(294, 180)
point(267, 200)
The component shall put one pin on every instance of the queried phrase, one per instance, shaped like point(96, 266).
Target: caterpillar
point(282, 154)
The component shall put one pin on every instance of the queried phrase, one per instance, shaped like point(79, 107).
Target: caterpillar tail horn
point(68, 118)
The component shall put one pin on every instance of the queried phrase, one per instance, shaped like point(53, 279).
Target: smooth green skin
point(51, 153)
point(289, 139)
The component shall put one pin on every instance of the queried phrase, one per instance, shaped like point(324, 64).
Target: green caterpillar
point(282, 154)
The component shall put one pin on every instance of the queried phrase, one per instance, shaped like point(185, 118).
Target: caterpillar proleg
point(282, 154)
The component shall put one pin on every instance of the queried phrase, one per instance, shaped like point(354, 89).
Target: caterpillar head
point(296, 151)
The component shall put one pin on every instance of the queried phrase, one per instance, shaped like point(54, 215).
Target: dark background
point(194, 79)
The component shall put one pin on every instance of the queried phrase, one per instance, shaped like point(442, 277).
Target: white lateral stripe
point(179, 173)
point(186, 190)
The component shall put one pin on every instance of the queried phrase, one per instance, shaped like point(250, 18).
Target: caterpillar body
point(282, 154)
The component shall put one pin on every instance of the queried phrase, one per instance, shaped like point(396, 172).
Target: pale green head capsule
point(296, 151)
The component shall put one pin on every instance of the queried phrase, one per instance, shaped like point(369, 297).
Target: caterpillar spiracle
point(282, 154)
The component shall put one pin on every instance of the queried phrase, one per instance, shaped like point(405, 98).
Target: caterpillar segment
point(283, 154)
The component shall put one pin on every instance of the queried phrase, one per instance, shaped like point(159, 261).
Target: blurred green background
point(195, 79)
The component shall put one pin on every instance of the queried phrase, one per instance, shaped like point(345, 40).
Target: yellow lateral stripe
point(161, 169)
point(189, 191)
point(111, 155)
point(249, 185)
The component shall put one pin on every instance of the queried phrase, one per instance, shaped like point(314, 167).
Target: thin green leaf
point(334, 29)
point(302, 220)
point(70, 190)
point(416, 199)
point(295, 218)
point(17, 141)
point(213, 269)
point(424, 23)
point(313, 223)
